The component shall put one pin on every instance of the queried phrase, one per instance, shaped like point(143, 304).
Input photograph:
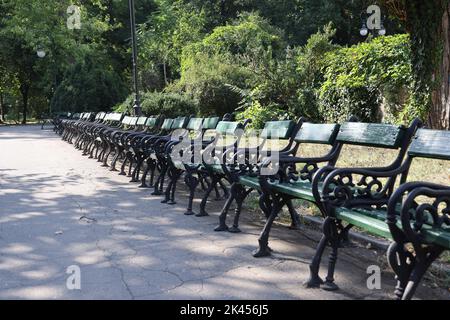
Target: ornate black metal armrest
point(413, 216)
point(341, 188)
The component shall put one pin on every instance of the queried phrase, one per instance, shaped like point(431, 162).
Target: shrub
point(250, 34)
point(171, 105)
point(88, 86)
point(260, 114)
point(358, 79)
point(208, 80)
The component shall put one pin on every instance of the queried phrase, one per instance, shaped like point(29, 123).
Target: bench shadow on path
point(151, 250)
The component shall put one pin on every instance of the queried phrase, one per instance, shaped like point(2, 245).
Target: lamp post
point(137, 102)
point(372, 22)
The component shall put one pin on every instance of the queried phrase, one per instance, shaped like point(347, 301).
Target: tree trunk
point(165, 72)
point(439, 117)
point(2, 110)
point(24, 91)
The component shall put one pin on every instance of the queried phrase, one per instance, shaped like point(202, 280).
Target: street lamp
point(137, 102)
point(377, 28)
point(40, 53)
point(364, 31)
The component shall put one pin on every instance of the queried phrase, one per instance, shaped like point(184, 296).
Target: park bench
point(86, 140)
point(190, 154)
point(66, 126)
point(72, 127)
point(246, 159)
point(156, 149)
point(82, 129)
point(132, 143)
point(227, 135)
point(145, 147)
point(119, 141)
point(185, 146)
point(302, 177)
point(59, 120)
point(245, 177)
point(152, 147)
point(416, 213)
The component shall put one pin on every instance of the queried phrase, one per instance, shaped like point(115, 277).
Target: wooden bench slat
point(278, 129)
point(431, 144)
point(141, 121)
point(151, 122)
point(210, 123)
point(227, 127)
point(371, 134)
point(167, 124)
point(317, 133)
point(195, 124)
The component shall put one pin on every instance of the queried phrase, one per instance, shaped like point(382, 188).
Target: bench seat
point(299, 189)
point(373, 221)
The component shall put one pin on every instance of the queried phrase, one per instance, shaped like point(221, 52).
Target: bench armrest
point(356, 187)
point(413, 216)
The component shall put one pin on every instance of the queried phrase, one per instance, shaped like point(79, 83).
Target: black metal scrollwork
point(342, 187)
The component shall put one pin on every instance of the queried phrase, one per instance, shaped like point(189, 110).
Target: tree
point(428, 23)
point(27, 25)
point(89, 86)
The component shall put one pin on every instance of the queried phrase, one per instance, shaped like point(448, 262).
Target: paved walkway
point(59, 209)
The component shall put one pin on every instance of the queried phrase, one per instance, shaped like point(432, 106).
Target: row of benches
point(378, 200)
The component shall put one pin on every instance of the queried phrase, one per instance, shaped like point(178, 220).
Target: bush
point(208, 80)
point(171, 105)
point(357, 80)
point(88, 86)
point(250, 34)
point(260, 114)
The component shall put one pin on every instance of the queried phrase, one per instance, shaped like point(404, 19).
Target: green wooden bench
point(240, 168)
point(227, 135)
point(302, 177)
point(183, 155)
point(417, 213)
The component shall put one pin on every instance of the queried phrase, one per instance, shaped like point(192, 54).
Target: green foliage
point(88, 86)
point(356, 79)
point(424, 18)
point(208, 80)
point(171, 105)
point(290, 83)
point(260, 114)
point(250, 35)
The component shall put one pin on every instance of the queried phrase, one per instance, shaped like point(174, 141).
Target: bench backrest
point(180, 123)
point(151, 122)
point(100, 116)
point(432, 144)
point(133, 121)
point(115, 117)
point(126, 120)
point(372, 135)
point(228, 127)
point(141, 121)
point(167, 124)
point(317, 133)
point(278, 129)
point(210, 123)
point(195, 124)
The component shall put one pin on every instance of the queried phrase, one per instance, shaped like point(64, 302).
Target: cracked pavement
point(59, 209)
